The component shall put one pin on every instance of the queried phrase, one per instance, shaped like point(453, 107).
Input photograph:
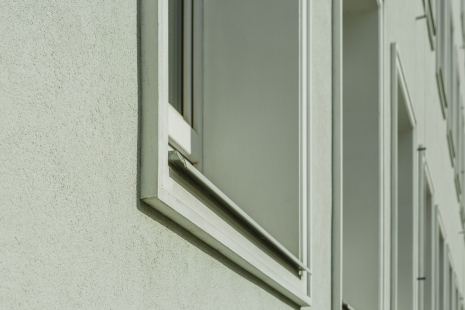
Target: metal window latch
point(421, 278)
point(421, 148)
point(421, 17)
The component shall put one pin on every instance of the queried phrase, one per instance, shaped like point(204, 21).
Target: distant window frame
point(430, 7)
point(444, 40)
point(440, 268)
point(454, 108)
point(425, 185)
point(398, 78)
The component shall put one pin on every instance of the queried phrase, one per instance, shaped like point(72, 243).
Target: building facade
point(217, 154)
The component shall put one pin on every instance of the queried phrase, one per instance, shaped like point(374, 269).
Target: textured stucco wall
point(73, 234)
point(321, 154)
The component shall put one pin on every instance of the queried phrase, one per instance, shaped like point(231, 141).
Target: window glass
point(251, 110)
point(440, 266)
point(175, 46)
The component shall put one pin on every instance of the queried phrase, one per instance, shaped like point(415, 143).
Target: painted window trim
point(452, 127)
point(449, 263)
point(166, 194)
point(439, 229)
point(425, 182)
point(178, 162)
point(398, 77)
point(462, 19)
point(431, 23)
point(183, 137)
point(458, 186)
point(460, 168)
point(185, 130)
point(445, 21)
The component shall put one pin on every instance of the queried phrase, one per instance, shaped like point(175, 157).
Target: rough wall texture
point(73, 234)
point(321, 154)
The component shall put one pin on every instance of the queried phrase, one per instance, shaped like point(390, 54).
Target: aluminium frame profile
point(178, 162)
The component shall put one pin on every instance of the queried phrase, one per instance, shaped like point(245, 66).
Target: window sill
point(177, 203)
point(179, 163)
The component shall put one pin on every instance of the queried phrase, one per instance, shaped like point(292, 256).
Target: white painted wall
point(73, 233)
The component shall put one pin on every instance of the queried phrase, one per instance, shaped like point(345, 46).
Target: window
point(426, 271)
point(252, 77)
point(453, 115)
point(445, 55)
point(460, 167)
point(448, 61)
point(448, 79)
point(430, 12)
point(177, 65)
point(458, 137)
point(184, 118)
point(405, 266)
point(456, 296)
point(433, 7)
point(450, 286)
point(225, 130)
point(462, 19)
point(440, 269)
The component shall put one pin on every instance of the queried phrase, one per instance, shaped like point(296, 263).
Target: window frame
point(425, 185)
point(430, 7)
point(445, 25)
point(185, 129)
point(462, 18)
point(459, 158)
point(456, 292)
point(398, 79)
point(460, 169)
point(451, 283)
point(172, 197)
point(453, 115)
point(440, 231)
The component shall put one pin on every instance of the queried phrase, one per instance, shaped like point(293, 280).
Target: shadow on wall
point(199, 244)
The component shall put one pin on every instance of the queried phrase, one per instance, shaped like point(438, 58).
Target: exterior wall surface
point(402, 24)
point(73, 233)
point(321, 152)
point(419, 65)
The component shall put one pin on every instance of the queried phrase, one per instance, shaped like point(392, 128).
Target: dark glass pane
point(175, 53)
